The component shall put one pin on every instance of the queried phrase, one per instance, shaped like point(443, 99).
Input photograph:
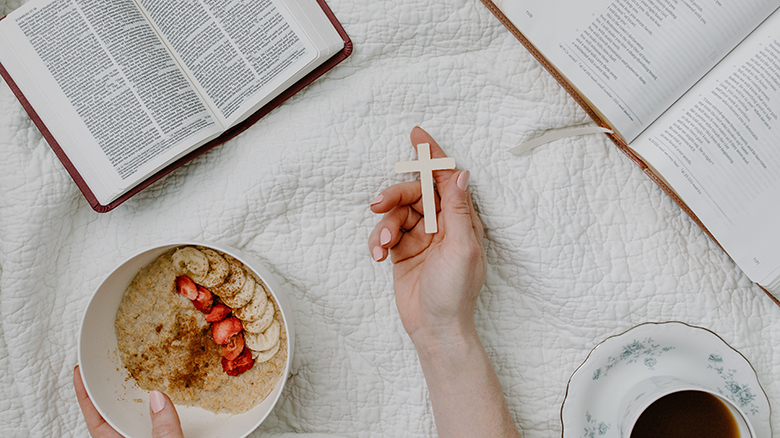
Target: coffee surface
point(686, 414)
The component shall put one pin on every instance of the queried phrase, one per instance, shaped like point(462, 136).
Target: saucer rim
point(671, 322)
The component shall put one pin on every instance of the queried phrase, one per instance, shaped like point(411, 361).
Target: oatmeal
point(175, 336)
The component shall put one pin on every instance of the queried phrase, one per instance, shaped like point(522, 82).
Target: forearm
point(465, 392)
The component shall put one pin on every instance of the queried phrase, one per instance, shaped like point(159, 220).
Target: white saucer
point(697, 355)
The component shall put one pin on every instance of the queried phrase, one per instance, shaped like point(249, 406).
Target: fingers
point(459, 220)
point(413, 243)
point(402, 208)
point(165, 419)
point(405, 193)
point(96, 425)
point(388, 232)
point(418, 136)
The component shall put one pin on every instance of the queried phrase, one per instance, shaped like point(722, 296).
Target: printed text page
point(633, 58)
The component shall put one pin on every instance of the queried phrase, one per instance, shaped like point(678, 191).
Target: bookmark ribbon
point(557, 134)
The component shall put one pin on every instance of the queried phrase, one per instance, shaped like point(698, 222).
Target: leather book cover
point(225, 136)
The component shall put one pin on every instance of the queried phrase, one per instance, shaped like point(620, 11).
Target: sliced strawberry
point(218, 312)
point(186, 287)
point(204, 300)
point(234, 346)
point(221, 331)
point(239, 365)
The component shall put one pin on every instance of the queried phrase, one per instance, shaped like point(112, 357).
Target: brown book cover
point(225, 136)
point(601, 121)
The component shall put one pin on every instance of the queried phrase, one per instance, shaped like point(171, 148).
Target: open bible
point(691, 89)
point(127, 90)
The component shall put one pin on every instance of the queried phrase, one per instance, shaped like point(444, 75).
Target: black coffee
point(686, 414)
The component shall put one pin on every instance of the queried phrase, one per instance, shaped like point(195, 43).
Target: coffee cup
point(670, 407)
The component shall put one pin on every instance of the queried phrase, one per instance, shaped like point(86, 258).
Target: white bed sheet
point(581, 245)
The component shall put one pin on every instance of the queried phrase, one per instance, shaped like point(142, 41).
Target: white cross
point(426, 166)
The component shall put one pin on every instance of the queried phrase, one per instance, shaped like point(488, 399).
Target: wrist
point(445, 342)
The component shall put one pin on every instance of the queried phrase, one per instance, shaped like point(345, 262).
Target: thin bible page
point(633, 58)
point(718, 149)
point(237, 52)
point(113, 96)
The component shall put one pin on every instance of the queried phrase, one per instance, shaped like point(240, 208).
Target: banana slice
point(218, 269)
point(266, 340)
point(256, 308)
point(261, 324)
point(265, 356)
point(191, 262)
point(234, 282)
point(243, 297)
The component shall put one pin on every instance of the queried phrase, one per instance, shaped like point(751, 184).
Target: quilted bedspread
point(581, 245)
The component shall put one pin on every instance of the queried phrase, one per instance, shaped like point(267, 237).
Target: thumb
point(165, 419)
point(455, 208)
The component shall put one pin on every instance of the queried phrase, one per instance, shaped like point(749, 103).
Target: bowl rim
point(250, 263)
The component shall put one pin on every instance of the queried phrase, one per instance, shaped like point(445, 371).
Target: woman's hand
point(165, 420)
point(437, 277)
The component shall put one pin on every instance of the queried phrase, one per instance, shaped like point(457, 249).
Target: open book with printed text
point(126, 90)
point(691, 89)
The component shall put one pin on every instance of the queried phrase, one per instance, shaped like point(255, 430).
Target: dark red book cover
point(227, 135)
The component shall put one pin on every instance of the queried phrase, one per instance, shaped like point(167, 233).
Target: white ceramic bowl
point(118, 398)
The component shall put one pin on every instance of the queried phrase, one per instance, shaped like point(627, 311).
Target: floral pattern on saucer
point(594, 427)
point(740, 392)
point(631, 353)
point(592, 404)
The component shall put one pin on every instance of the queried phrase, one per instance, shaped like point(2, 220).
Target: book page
point(718, 148)
point(234, 50)
point(114, 73)
point(633, 58)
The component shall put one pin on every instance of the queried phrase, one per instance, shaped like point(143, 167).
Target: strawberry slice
point(186, 287)
point(221, 331)
point(204, 300)
point(234, 347)
point(218, 312)
point(239, 365)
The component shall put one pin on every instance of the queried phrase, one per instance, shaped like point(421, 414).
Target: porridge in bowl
point(199, 326)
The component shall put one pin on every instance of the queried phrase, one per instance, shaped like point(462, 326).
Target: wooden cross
point(426, 166)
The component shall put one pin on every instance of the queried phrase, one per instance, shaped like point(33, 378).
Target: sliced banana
point(261, 324)
point(265, 356)
point(191, 262)
point(266, 340)
point(218, 269)
point(256, 308)
point(234, 282)
point(243, 297)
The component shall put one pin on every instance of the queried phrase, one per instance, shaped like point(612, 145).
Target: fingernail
point(378, 199)
point(377, 253)
point(385, 237)
point(156, 401)
point(463, 180)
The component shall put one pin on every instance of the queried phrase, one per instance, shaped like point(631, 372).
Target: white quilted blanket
point(581, 245)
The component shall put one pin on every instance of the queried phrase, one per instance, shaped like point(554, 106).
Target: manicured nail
point(377, 253)
point(385, 237)
point(378, 199)
point(156, 401)
point(463, 180)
